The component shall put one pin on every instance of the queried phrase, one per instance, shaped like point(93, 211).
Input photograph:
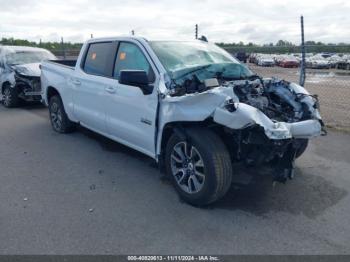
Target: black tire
point(58, 117)
point(217, 167)
point(10, 97)
point(303, 143)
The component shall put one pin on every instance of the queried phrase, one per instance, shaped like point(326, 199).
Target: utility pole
point(302, 65)
point(63, 49)
point(196, 31)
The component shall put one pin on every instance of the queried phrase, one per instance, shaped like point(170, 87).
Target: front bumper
point(244, 116)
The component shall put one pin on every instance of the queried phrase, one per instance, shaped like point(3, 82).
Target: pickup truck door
point(90, 82)
point(131, 115)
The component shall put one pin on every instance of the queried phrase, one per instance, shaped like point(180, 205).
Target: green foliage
point(53, 46)
point(282, 47)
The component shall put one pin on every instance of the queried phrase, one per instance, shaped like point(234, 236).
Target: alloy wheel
point(56, 116)
point(187, 167)
point(7, 97)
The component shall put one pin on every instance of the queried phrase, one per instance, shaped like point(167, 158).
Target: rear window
point(100, 58)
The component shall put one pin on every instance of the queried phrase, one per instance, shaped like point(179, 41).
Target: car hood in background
point(28, 69)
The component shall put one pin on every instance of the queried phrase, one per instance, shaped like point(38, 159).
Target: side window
point(130, 57)
point(99, 59)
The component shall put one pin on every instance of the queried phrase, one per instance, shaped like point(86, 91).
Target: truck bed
point(56, 73)
point(69, 63)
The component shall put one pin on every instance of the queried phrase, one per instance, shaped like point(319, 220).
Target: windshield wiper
point(194, 70)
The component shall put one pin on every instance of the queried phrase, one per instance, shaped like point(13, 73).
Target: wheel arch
point(50, 92)
point(179, 127)
point(3, 86)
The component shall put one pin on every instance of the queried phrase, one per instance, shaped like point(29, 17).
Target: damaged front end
point(27, 82)
point(264, 121)
point(261, 121)
point(275, 119)
point(284, 110)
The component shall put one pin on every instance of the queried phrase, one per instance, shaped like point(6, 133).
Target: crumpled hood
point(199, 106)
point(28, 69)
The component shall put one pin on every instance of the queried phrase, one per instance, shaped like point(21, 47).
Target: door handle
point(76, 82)
point(110, 90)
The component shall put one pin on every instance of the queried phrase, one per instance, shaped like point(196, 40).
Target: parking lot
point(84, 194)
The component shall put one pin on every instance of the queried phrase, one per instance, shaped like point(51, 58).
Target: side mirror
point(137, 78)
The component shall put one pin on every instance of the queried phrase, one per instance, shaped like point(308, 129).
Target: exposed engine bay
point(266, 120)
point(274, 98)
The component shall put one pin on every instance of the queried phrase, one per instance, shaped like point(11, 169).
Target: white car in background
point(20, 73)
point(344, 63)
point(334, 60)
point(317, 62)
point(265, 60)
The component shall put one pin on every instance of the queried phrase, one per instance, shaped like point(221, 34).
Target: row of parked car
point(318, 61)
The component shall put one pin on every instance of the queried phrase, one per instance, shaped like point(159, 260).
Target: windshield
point(183, 58)
point(28, 57)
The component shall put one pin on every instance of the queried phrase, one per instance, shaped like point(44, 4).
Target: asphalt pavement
point(84, 194)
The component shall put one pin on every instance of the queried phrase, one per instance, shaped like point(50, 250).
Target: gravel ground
point(84, 194)
point(332, 86)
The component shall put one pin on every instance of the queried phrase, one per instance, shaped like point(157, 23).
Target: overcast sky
point(220, 20)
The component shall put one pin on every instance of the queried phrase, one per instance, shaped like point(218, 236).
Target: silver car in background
point(20, 73)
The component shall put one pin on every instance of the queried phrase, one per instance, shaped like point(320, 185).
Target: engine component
point(273, 97)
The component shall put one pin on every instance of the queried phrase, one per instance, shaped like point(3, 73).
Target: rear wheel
point(10, 97)
point(199, 166)
point(58, 117)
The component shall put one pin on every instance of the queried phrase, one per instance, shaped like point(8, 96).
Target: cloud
point(220, 20)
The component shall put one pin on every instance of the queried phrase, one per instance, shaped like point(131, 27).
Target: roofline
point(18, 47)
point(116, 38)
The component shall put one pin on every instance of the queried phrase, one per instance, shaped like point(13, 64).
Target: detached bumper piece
point(285, 166)
point(253, 148)
point(244, 116)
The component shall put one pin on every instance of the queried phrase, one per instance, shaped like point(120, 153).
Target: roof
point(8, 48)
point(115, 38)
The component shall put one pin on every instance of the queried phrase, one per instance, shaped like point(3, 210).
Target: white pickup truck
point(189, 105)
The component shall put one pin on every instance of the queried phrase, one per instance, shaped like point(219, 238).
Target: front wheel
point(59, 119)
point(10, 97)
point(199, 166)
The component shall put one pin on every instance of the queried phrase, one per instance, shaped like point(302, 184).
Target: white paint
point(118, 115)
